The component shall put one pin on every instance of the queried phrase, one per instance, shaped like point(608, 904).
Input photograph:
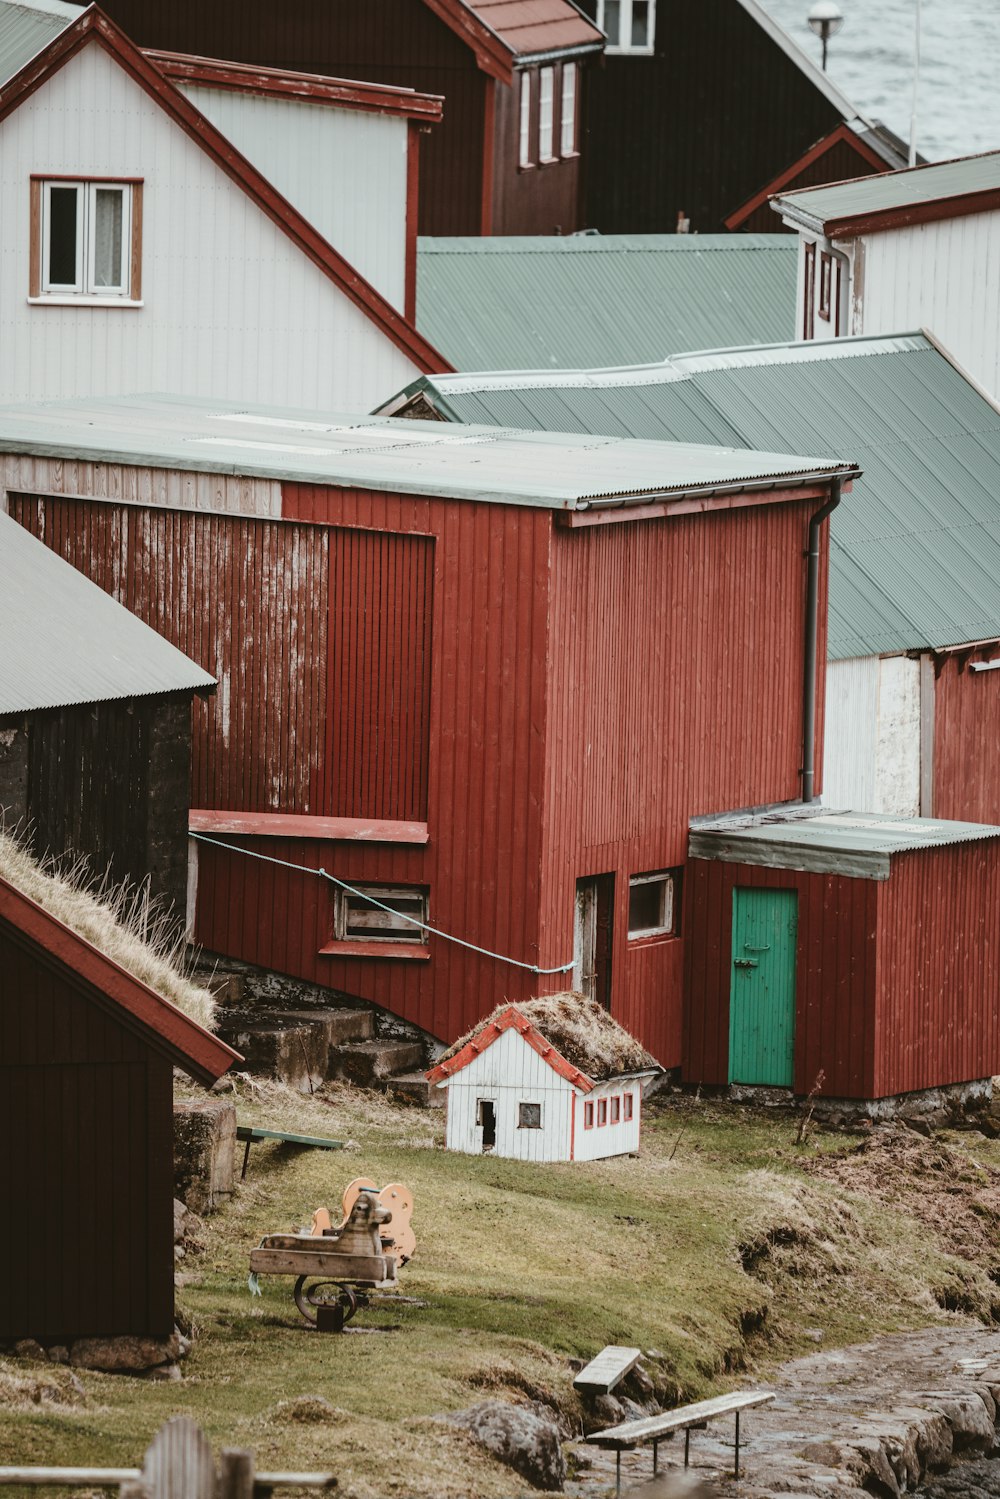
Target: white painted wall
point(871, 754)
point(344, 169)
point(231, 307)
point(511, 1072)
point(840, 290)
point(608, 1139)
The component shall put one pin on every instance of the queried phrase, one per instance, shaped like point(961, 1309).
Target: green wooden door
point(762, 988)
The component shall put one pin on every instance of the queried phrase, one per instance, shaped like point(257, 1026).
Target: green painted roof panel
point(889, 190)
point(26, 27)
point(586, 300)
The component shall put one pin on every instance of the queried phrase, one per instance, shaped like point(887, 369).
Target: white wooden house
point(552, 1079)
point(908, 249)
point(143, 248)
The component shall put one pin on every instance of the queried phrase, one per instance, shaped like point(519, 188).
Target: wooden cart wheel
point(342, 1300)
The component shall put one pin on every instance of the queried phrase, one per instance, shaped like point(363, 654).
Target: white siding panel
point(232, 308)
point(511, 1072)
point(872, 740)
point(943, 276)
point(897, 759)
point(232, 494)
point(344, 169)
point(609, 1139)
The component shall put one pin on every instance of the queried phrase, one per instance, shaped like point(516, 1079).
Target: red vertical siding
point(966, 729)
point(939, 968)
point(676, 690)
point(835, 980)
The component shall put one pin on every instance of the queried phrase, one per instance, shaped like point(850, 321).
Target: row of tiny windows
point(608, 1110)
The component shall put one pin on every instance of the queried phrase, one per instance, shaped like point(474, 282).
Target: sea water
point(871, 61)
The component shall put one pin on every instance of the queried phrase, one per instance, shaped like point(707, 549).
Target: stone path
point(877, 1416)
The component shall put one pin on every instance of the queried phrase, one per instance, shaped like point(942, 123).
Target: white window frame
point(567, 114)
point(377, 925)
point(546, 114)
point(666, 925)
point(524, 144)
point(84, 287)
point(625, 30)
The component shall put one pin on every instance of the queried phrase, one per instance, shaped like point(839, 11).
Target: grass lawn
point(721, 1250)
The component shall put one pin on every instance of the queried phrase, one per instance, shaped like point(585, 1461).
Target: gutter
point(812, 636)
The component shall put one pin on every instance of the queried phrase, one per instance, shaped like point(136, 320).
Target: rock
point(631, 1410)
point(864, 1458)
point(28, 1348)
point(814, 1334)
point(638, 1382)
point(601, 1411)
point(127, 1355)
point(971, 1426)
point(58, 1354)
point(204, 1153)
point(989, 1400)
point(518, 1438)
point(163, 1372)
point(932, 1435)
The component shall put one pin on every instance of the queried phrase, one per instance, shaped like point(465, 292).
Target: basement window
point(85, 242)
point(529, 1116)
point(380, 913)
point(654, 904)
point(630, 25)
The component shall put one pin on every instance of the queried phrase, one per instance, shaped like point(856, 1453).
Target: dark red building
point(87, 1053)
point(842, 155)
point(859, 946)
point(507, 158)
point(484, 679)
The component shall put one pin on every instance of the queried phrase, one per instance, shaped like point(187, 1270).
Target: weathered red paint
point(282, 83)
point(966, 714)
point(511, 1019)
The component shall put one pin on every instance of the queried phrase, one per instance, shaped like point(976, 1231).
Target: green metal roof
point(915, 557)
point(592, 299)
point(817, 206)
point(550, 470)
point(857, 844)
point(26, 27)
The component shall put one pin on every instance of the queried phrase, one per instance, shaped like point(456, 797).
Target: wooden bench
point(608, 1369)
point(250, 1134)
point(686, 1418)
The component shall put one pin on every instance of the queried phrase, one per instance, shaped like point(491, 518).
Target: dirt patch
point(44, 1388)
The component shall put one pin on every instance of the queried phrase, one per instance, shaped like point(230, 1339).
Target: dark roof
point(915, 553)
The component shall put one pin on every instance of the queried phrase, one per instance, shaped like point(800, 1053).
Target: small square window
point(529, 1116)
point(629, 25)
point(616, 1109)
point(85, 240)
point(588, 1116)
point(602, 1111)
point(380, 913)
point(627, 1106)
point(653, 904)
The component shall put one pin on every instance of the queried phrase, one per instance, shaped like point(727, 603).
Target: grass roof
point(122, 921)
point(580, 1029)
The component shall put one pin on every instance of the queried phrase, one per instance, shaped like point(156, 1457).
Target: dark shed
point(863, 946)
point(95, 723)
point(87, 1052)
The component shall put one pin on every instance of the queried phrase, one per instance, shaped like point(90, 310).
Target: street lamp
point(826, 19)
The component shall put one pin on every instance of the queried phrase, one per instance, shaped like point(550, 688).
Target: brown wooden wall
point(967, 743)
point(86, 1175)
point(835, 979)
point(545, 198)
point(841, 163)
point(676, 691)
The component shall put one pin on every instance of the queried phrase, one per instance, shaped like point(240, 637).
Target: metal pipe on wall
point(812, 634)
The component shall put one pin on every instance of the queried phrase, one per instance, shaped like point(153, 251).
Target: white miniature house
point(551, 1079)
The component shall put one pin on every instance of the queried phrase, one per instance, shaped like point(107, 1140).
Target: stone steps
point(413, 1087)
point(374, 1063)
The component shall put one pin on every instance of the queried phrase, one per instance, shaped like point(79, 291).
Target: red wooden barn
point(87, 1053)
point(484, 678)
point(862, 947)
point(509, 155)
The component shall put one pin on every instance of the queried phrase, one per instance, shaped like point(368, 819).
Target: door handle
point(750, 948)
point(745, 963)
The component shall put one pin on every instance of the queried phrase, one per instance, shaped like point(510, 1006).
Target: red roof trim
point(493, 56)
point(188, 1044)
point(94, 25)
point(315, 88)
point(300, 825)
point(930, 212)
point(511, 1019)
point(843, 133)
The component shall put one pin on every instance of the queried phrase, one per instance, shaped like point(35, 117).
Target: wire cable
point(324, 874)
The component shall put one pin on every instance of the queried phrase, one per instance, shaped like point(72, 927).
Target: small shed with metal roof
point(473, 675)
point(95, 723)
point(854, 953)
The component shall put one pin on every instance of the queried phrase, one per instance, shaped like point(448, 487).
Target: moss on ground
point(722, 1250)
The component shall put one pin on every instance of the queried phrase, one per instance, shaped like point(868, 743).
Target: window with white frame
point(524, 148)
point(628, 24)
point(546, 82)
point(567, 118)
point(380, 913)
point(653, 904)
point(85, 240)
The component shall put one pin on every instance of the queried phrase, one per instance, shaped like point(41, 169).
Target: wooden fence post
point(179, 1462)
point(236, 1470)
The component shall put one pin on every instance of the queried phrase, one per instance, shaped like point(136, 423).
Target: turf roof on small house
point(577, 1036)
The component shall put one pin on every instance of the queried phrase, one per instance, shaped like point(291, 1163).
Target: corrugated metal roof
point(530, 27)
point(585, 300)
point(893, 190)
point(26, 27)
point(915, 560)
point(852, 843)
point(556, 471)
point(65, 641)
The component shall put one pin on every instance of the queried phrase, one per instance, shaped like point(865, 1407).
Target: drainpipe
point(812, 633)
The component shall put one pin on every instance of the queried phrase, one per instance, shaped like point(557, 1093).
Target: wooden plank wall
point(966, 714)
point(87, 1243)
point(835, 980)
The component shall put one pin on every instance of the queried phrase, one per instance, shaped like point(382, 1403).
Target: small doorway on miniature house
point(595, 909)
point(762, 987)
